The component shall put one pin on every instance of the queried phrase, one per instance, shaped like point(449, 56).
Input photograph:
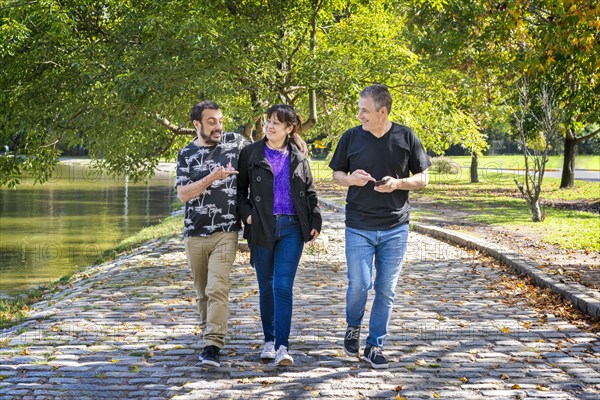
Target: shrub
point(444, 165)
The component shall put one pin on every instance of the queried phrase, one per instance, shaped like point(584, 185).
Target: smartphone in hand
point(380, 182)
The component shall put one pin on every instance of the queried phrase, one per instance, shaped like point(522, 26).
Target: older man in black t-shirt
point(375, 161)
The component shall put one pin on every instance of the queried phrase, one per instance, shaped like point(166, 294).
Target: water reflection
point(49, 230)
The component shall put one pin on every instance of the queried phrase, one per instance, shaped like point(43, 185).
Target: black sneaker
point(374, 356)
point(210, 356)
point(351, 341)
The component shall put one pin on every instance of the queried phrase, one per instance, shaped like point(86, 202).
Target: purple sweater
point(282, 187)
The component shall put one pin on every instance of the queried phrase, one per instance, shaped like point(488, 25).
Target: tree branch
point(66, 123)
point(18, 5)
point(169, 145)
point(176, 130)
point(586, 137)
point(53, 144)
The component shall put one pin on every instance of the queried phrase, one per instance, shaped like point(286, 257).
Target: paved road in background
point(580, 174)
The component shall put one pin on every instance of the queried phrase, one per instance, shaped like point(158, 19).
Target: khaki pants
point(210, 258)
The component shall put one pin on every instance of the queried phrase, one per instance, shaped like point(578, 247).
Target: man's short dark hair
point(380, 95)
point(196, 114)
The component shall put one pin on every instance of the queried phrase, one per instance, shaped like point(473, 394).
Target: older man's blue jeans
point(385, 251)
point(276, 267)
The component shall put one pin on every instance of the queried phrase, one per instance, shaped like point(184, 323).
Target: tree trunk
point(259, 128)
point(312, 93)
point(568, 172)
point(536, 211)
point(248, 130)
point(258, 111)
point(474, 165)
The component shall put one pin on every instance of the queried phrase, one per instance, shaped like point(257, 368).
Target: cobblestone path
point(128, 329)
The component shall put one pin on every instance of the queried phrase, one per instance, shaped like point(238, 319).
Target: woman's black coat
point(255, 193)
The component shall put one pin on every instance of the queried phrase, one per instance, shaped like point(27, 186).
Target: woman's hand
point(249, 220)
point(314, 234)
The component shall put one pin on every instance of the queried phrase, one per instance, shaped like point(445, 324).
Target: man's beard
point(208, 137)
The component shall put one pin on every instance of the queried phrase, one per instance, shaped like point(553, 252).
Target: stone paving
point(128, 329)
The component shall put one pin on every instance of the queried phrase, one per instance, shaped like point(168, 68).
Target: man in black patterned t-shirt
point(206, 183)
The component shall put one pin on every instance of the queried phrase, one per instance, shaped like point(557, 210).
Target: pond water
point(52, 229)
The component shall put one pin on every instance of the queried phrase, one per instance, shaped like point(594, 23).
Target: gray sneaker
point(268, 352)
point(282, 357)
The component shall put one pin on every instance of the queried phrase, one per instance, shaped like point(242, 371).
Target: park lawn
point(516, 161)
point(493, 183)
point(490, 181)
point(495, 200)
point(564, 228)
point(320, 169)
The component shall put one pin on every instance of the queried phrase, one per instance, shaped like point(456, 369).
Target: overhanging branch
point(175, 129)
point(586, 137)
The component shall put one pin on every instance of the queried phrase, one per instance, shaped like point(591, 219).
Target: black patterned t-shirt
point(214, 210)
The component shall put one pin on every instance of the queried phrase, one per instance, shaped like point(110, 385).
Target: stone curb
point(583, 298)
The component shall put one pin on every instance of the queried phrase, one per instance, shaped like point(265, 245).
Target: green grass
point(320, 169)
point(14, 309)
point(492, 183)
point(497, 201)
point(565, 228)
point(516, 161)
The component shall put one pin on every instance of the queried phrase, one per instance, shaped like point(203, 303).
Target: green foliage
point(98, 73)
point(493, 44)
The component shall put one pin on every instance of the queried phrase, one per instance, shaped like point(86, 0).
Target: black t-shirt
point(398, 153)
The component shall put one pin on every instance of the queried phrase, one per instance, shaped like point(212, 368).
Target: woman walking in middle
point(278, 203)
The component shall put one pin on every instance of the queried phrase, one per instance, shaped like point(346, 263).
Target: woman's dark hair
point(286, 114)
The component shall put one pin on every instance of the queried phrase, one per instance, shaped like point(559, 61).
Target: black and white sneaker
point(210, 356)
point(374, 356)
point(351, 341)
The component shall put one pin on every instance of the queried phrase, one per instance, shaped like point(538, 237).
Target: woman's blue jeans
point(387, 249)
point(276, 267)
